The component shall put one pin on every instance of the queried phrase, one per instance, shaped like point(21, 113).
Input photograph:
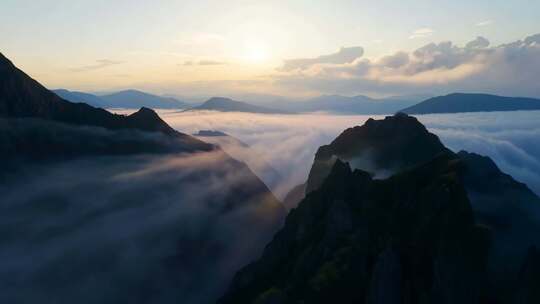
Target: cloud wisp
point(422, 33)
point(484, 23)
point(100, 64)
point(203, 63)
point(343, 56)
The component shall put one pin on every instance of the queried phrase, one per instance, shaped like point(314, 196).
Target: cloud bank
point(507, 69)
point(289, 142)
point(130, 229)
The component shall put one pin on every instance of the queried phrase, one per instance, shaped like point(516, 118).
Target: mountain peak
point(224, 104)
point(144, 111)
point(388, 145)
point(4, 61)
point(22, 97)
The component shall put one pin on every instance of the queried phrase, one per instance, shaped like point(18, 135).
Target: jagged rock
point(379, 146)
point(441, 228)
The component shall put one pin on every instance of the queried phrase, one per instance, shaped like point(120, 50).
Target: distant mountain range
point(353, 105)
point(124, 99)
point(461, 103)
point(223, 104)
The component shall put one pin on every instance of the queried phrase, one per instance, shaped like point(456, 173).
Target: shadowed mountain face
point(460, 103)
point(104, 208)
point(407, 239)
point(228, 105)
point(443, 228)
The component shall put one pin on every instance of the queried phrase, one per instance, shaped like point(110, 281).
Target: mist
point(130, 229)
point(289, 142)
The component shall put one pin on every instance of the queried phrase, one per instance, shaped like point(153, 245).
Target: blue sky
point(179, 46)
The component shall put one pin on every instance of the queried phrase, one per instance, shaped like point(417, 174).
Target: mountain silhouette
point(223, 104)
point(81, 97)
point(23, 97)
point(137, 99)
point(461, 103)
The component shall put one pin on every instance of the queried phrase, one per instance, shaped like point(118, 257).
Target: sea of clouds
point(142, 228)
point(289, 142)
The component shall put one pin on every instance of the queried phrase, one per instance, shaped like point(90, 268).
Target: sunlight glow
point(256, 51)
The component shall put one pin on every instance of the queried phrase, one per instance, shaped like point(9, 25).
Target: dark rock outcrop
point(412, 235)
point(385, 146)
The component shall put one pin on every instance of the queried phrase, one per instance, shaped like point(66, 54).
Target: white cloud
point(436, 68)
point(101, 63)
point(484, 23)
point(343, 56)
point(422, 33)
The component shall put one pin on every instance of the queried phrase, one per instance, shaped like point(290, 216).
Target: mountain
point(23, 97)
point(104, 208)
point(336, 103)
point(240, 150)
point(222, 104)
point(137, 99)
point(81, 97)
point(460, 103)
point(445, 228)
point(382, 146)
point(354, 105)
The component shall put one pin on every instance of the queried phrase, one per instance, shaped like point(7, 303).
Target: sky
point(290, 48)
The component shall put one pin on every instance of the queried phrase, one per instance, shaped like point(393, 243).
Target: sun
point(256, 51)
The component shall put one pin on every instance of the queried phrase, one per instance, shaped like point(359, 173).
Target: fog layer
point(289, 142)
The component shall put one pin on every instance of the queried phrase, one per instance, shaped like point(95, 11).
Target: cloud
point(508, 138)
point(478, 43)
point(436, 68)
point(100, 64)
point(211, 62)
point(203, 63)
point(422, 33)
point(344, 55)
point(143, 227)
point(484, 23)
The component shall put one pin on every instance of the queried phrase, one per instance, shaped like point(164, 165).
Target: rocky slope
point(379, 146)
point(443, 228)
